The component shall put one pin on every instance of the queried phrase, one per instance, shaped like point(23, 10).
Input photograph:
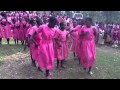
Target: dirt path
point(18, 66)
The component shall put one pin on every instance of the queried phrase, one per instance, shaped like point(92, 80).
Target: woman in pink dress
point(78, 40)
point(7, 31)
point(105, 26)
point(16, 31)
point(24, 26)
point(13, 30)
point(28, 26)
point(24, 32)
point(115, 34)
point(59, 19)
point(74, 36)
point(1, 33)
point(27, 42)
point(27, 38)
point(46, 51)
point(61, 45)
point(36, 43)
point(118, 36)
point(87, 46)
point(68, 27)
point(21, 32)
point(70, 38)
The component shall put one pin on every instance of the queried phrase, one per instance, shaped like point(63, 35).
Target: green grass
point(4, 42)
point(108, 65)
point(7, 50)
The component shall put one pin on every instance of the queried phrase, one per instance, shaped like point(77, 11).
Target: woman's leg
point(62, 64)
point(15, 41)
point(8, 40)
point(0, 40)
point(57, 64)
point(90, 71)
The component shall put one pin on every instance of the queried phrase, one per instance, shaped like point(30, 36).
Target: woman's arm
point(32, 39)
point(95, 34)
point(84, 33)
point(57, 41)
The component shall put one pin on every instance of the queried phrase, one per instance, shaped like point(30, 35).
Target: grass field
point(16, 64)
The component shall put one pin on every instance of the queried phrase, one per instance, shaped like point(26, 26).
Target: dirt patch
point(18, 66)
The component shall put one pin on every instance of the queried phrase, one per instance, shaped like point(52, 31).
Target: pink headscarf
point(30, 15)
point(3, 20)
point(17, 15)
point(117, 26)
point(113, 25)
point(9, 19)
point(25, 15)
point(17, 23)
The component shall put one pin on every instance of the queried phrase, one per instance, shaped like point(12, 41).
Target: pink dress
point(117, 26)
point(59, 20)
point(7, 31)
point(33, 49)
point(76, 40)
point(119, 35)
point(27, 36)
point(79, 42)
point(26, 29)
point(21, 33)
point(74, 36)
point(16, 31)
point(3, 20)
point(61, 53)
point(114, 25)
point(88, 48)
point(1, 31)
point(115, 35)
point(46, 51)
point(105, 26)
point(12, 27)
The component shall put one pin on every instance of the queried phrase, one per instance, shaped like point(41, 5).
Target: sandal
point(39, 69)
point(33, 63)
point(90, 73)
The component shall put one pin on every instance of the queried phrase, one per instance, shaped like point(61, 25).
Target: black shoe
point(33, 63)
point(39, 69)
point(63, 67)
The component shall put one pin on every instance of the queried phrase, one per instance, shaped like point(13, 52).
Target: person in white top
point(101, 35)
